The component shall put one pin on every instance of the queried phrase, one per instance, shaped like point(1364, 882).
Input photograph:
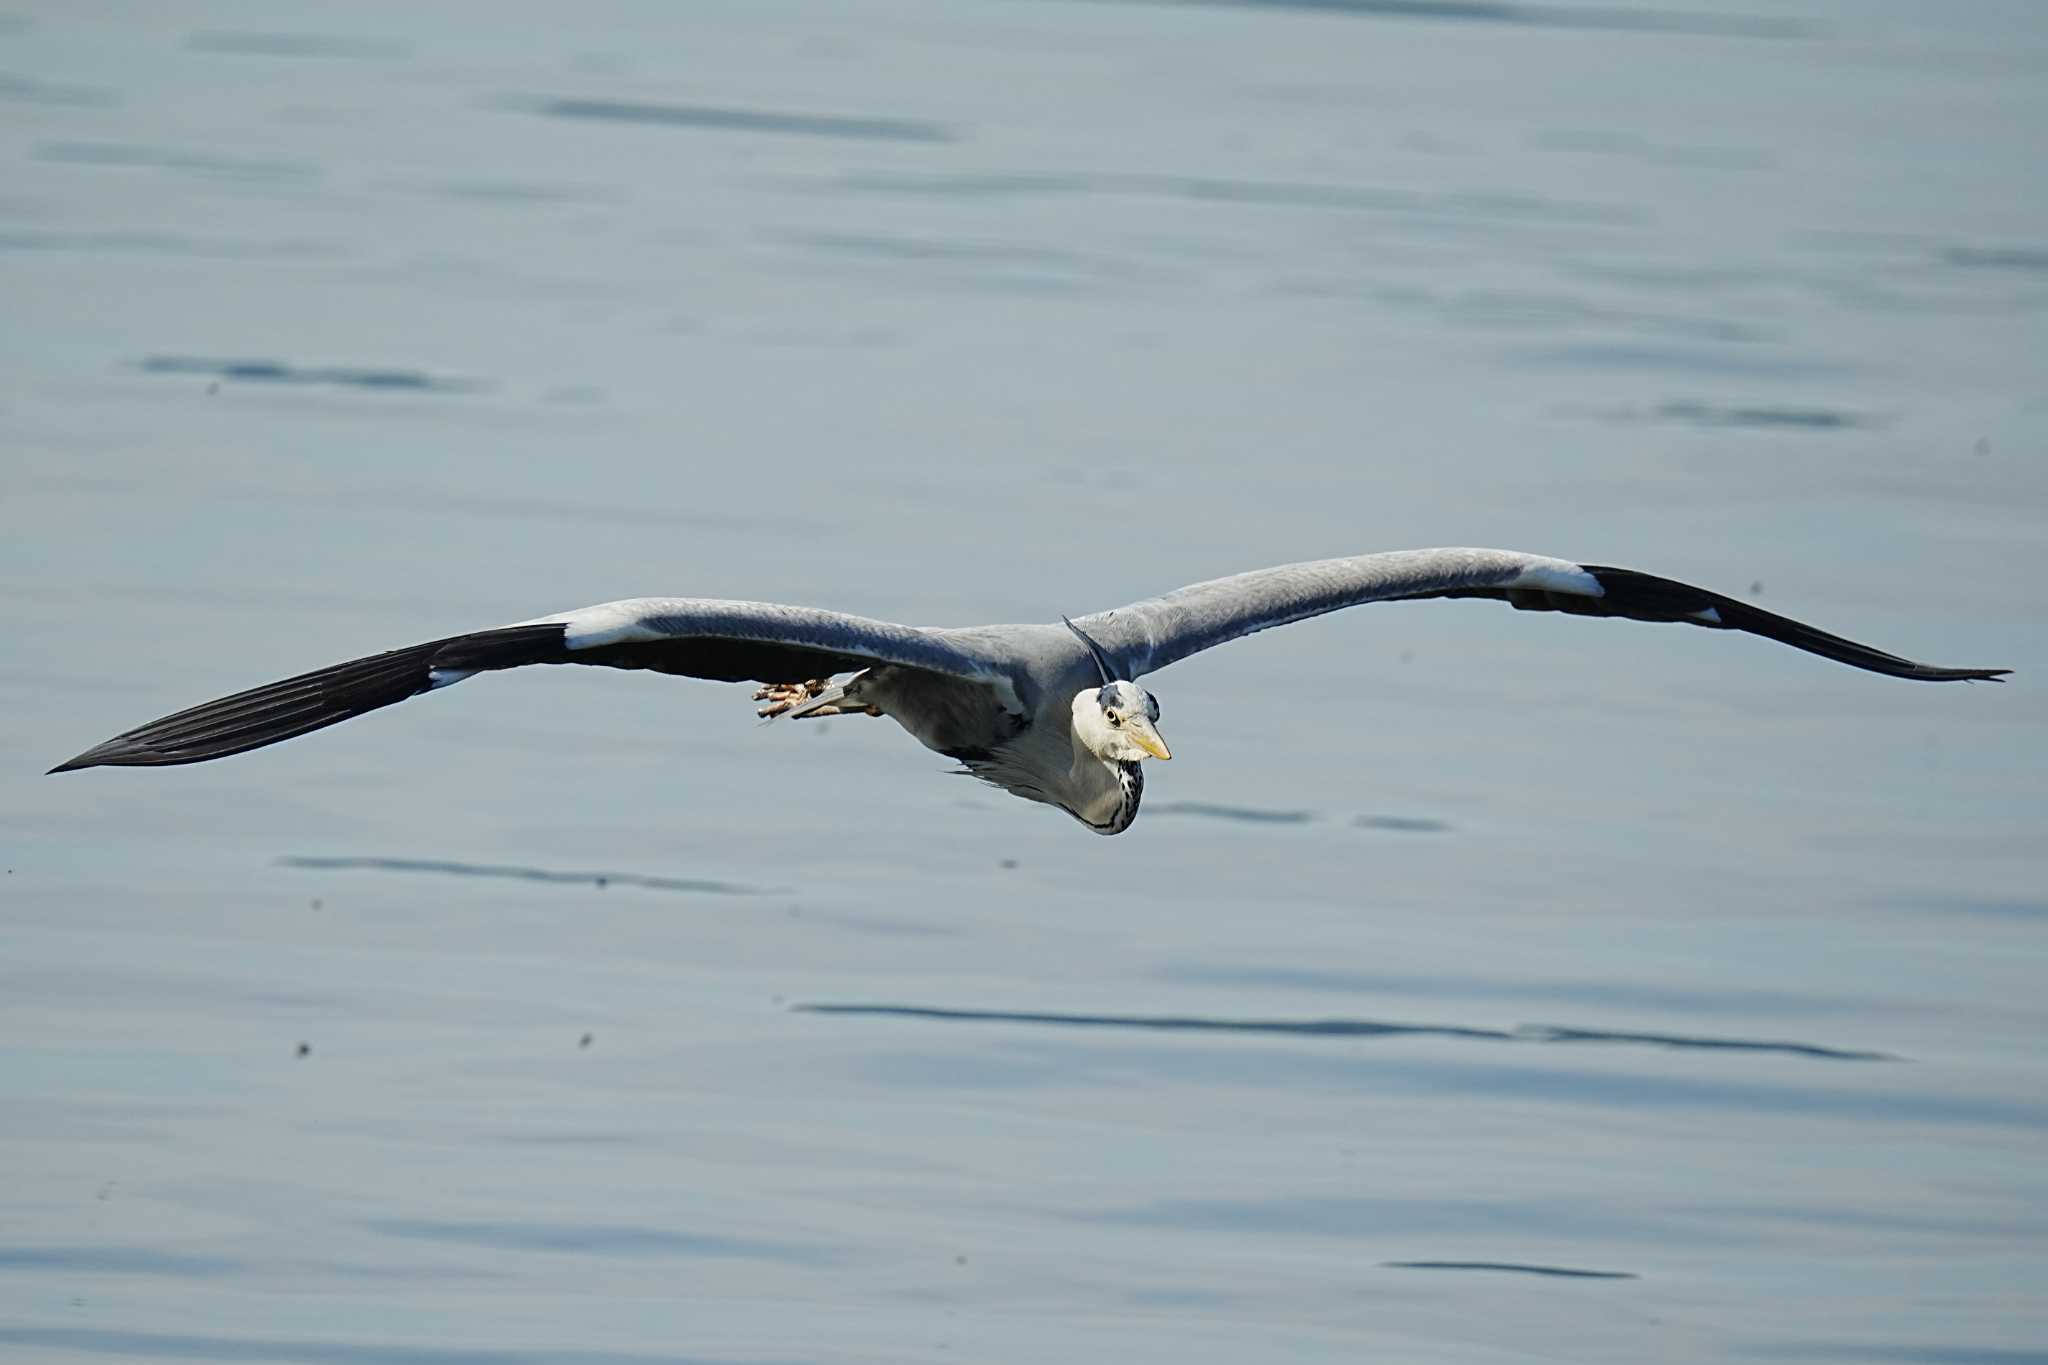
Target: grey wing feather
point(756, 631)
point(695, 637)
point(1149, 635)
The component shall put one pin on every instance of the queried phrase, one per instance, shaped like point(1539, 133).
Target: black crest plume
point(1094, 652)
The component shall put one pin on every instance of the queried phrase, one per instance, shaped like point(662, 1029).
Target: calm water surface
point(1479, 987)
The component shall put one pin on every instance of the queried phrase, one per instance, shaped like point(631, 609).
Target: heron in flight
point(1051, 713)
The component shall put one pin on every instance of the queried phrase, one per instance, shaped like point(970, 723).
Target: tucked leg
point(785, 697)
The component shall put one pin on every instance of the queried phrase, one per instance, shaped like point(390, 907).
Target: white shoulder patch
point(438, 678)
point(608, 623)
point(1558, 575)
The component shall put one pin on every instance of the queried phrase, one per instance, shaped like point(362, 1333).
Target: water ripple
point(1402, 824)
point(189, 163)
point(164, 243)
point(1771, 418)
point(1883, 1353)
point(115, 1260)
point(1253, 815)
point(1595, 17)
point(1451, 204)
point(738, 120)
point(282, 372)
point(1574, 993)
point(253, 44)
point(189, 1346)
point(1559, 1271)
point(29, 90)
point(600, 880)
point(1347, 1028)
point(601, 1240)
point(1997, 258)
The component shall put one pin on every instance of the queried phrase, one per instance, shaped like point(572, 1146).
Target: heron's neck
point(1130, 790)
point(1129, 777)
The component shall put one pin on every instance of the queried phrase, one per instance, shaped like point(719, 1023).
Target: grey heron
point(1052, 713)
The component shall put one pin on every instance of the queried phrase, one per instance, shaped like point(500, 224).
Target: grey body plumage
point(1047, 712)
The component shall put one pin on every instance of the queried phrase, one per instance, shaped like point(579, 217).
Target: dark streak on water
point(1873, 1353)
point(1639, 148)
point(1756, 364)
point(1995, 907)
point(1779, 419)
point(1402, 824)
point(1547, 1033)
point(599, 1240)
point(1253, 815)
point(29, 90)
point(112, 1260)
point(1879, 1222)
point(879, 247)
point(444, 867)
point(1263, 815)
point(1376, 1218)
point(280, 372)
point(1997, 258)
point(1560, 1272)
point(191, 163)
point(184, 1346)
point(1345, 1028)
point(163, 243)
point(738, 120)
point(292, 45)
point(1222, 190)
point(525, 192)
point(1619, 994)
point(1537, 16)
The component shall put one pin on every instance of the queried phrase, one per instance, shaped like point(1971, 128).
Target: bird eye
point(1115, 722)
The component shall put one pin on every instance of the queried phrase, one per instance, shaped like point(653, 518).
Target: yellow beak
point(1146, 736)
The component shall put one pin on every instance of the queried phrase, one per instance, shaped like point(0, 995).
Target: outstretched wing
point(696, 637)
point(1147, 636)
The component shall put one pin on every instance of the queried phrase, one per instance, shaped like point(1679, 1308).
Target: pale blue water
point(1477, 986)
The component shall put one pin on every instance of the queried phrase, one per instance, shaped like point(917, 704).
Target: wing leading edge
point(691, 637)
point(1147, 636)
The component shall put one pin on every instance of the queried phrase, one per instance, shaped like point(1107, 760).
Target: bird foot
point(782, 697)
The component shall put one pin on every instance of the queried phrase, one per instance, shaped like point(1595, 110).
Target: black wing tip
point(1930, 673)
point(112, 753)
point(311, 701)
point(1645, 597)
point(118, 752)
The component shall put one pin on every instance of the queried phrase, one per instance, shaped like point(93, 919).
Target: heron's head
point(1119, 722)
